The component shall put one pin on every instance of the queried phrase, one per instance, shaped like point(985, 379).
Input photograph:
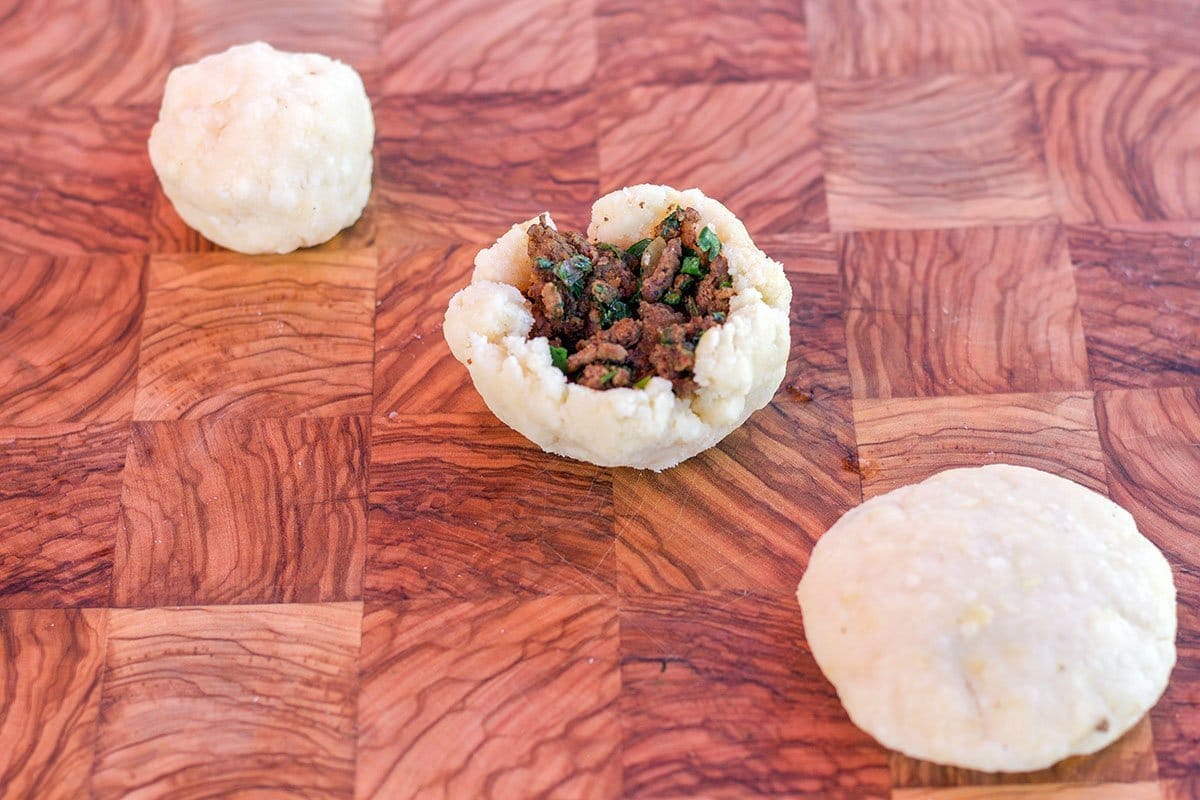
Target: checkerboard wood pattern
point(260, 538)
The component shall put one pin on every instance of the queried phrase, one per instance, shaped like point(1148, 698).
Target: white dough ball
point(998, 618)
point(263, 151)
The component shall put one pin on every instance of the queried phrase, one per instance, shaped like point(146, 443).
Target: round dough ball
point(264, 151)
point(739, 364)
point(998, 618)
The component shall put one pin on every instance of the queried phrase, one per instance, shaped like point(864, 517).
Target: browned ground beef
point(618, 317)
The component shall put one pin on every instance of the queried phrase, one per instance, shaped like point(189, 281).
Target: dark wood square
point(75, 179)
point(973, 311)
point(1140, 298)
point(898, 38)
point(1121, 144)
point(209, 702)
point(264, 336)
point(502, 698)
point(121, 54)
point(50, 664)
point(462, 506)
point(60, 490)
point(906, 441)
point(1110, 33)
point(466, 167)
point(932, 152)
point(753, 146)
point(713, 41)
point(348, 30)
point(243, 511)
point(505, 46)
point(1151, 439)
point(721, 698)
point(414, 369)
point(69, 330)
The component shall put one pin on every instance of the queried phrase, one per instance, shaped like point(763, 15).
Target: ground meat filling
point(618, 317)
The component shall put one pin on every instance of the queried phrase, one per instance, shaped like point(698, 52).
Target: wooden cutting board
point(260, 537)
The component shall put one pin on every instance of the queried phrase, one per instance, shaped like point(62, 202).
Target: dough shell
point(739, 364)
point(998, 618)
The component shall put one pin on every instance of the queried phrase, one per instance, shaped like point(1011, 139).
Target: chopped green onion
point(710, 243)
point(612, 312)
point(692, 309)
point(612, 248)
point(573, 272)
point(643, 383)
point(691, 266)
point(727, 283)
point(558, 356)
point(607, 377)
point(670, 224)
point(671, 298)
point(543, 263)
point(718, 316)
point(636, 248)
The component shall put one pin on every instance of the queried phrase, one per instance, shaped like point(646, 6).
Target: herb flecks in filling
point(617, 317)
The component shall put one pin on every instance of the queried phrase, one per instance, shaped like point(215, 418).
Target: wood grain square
point(1100, 34)
point(975, 311)
point(243, 511)
point(721, 698)
point(497, 698)
point(505, 46)
point(1139, 292)
point(1145, 790)
point(75, 179)
point(932, 152)
point(348, 30)
point(214, 702)
point(753, 146)
point(60, 491)
point(743, 515)
point(50, 664)
point(1181, 788)
point(414, 369)
point(1121, 145)
point(1152, 449)
point(107, 52)
point(466, 167)
point(263, 336)
point(462, 506)
point(863, 39)
point(1129, 761)
point(713, 41)
point(905, 441)
point(69, 329)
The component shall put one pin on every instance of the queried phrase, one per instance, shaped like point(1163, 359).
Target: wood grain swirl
point(754, 146)
point(1101, 34)
point(713, 41)
point(104, 52)
point(218, 702)
point(465, 168)
point(60, 490)
point(471, 47)
point(1144, 790)
point(243, 511)
point(862, 39)
point(1152, 450)
point(1139, 292)
point(50, 665)
point(720, 698)
point(1121, 144)
point(1181, 788)
point(974, 311)
point(905, 441)
point(69, 331)
point(75, 179)
point(414, 370)
point(491, 699)
point(263, 336)
point(462, 506)
point(932, 152)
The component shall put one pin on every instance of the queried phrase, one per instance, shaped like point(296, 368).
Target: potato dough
point(738, 366)
point(264, 151)
point(998, 618)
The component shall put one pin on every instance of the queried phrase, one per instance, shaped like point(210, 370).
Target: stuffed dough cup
point(658, 374)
